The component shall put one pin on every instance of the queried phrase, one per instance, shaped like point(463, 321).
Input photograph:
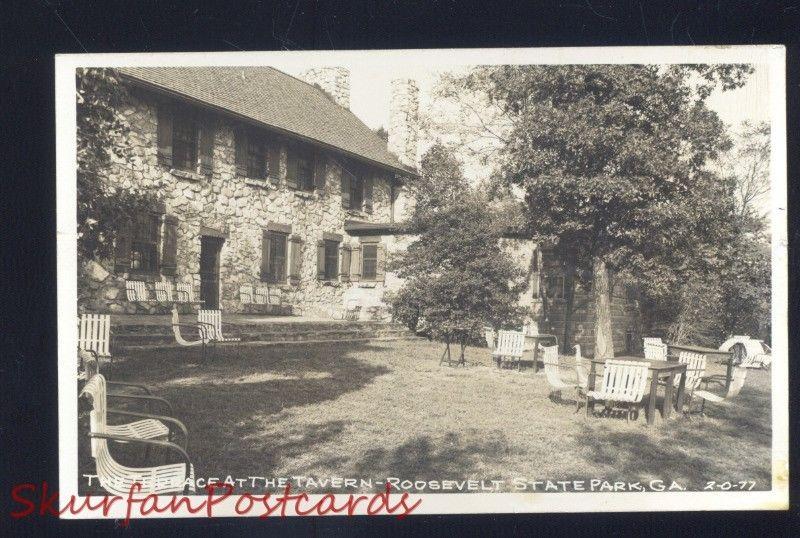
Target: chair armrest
point(162, 418)
point(151, 442)
point(136, 397)
point(134, 385)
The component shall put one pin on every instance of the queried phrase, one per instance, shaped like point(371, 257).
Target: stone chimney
point(403, 121)
point(335, 81)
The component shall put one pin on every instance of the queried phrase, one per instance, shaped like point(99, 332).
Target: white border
point(771, 55)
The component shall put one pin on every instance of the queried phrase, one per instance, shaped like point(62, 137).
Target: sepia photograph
point(498, 280)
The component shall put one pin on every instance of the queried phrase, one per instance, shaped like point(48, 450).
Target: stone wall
point(239, 209)
point(335, 81)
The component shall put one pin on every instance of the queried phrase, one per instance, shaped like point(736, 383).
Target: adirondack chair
point(624, 382)
point(737, 382)
point(137, 292)
point(148, 432)
point(94, 335)
point(246, 295)
point(510, 345)
point(213, 319)
point(552, 372)
point(184, 292)
point(164, 292)
point(205, 331)
point(655, 351)
point(695, 368)
point(261, 295)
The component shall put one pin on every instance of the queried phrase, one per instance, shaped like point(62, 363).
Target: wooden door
point(210, 248)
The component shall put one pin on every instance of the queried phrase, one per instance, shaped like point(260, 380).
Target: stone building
point(264, 179)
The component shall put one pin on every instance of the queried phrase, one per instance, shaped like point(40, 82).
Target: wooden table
point(536, 338)
point(658, 370)
point(728, 360)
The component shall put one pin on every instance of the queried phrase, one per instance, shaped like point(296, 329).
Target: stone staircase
point(146, 335)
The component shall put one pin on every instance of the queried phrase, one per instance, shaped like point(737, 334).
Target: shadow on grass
point(225, 403)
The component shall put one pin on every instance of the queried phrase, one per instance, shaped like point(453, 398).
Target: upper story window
point(256, 158)
point(357, 192)
point(357, 187)
point(300, 168)
point(184, 142)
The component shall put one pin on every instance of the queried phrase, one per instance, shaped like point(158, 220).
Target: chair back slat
point(262, 295)
point(550, 359)
point(624, 380)
point(130, 290)
point(212, 318)
point(510, 343)
point(94, 333)
point(185, 292)
point(655, 351)
point(695, 369)
point(96, 389)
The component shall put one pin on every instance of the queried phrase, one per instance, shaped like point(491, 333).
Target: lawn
point(387, 409)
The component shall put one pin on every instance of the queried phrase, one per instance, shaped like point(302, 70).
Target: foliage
point(101, 207)
point(457, 278)
point(612, 164)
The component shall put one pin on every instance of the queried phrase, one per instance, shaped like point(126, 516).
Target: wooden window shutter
point(295, 258)
point(206, 142)
point(291, 170)
point(274, 161)
point(122, 247)
point(380, 265)
point(344, 256)
point(320, 260)
point(368, 187)
point(169, 248)
point(345, 175)
point(164, 136)
point(240, 143)
point(264, 256)
point(355, 264)
point(319, 171)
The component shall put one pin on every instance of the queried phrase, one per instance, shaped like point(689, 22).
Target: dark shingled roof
point(276, 100)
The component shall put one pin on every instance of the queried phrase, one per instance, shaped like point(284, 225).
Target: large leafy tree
point(456, 276)
point(612, 163)
point(100, 101)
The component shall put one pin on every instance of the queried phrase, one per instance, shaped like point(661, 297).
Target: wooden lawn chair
point(510, 345)
point(148, 432)
point(261, 295)
point(655, 351)
point(94, 335)
point(184, 292)
point(624, 382)
point(352, 310)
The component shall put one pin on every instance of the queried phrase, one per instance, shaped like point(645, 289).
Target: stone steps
point(142, 336)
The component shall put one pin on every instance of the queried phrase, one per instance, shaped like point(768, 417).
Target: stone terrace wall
point(233, 205)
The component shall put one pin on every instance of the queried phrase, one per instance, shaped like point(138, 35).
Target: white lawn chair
point(164, 292)
point(205, 331)
point(352, 310)
point(94, 335)
point(737, 382)
point(184, 292)
point(246, 295)
point(148, 432)
point(552, 372)
point(655, 351)
point(652, 340)
point(213, 319)
point(489, 336)
point(89, 367)
point(136, 291)
point(261, 295)
point(510, 345)
point(623, 382)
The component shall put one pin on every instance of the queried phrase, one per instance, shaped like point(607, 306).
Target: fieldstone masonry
point(238, 209)
point(335, 81)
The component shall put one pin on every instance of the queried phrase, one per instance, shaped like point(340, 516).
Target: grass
point(378, 409)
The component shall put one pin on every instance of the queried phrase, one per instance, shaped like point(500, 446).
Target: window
point(331, 260)
point(369, 257)
point(356, 191)
point(300, 169)
point(144, 243)
point(555, 286)
point(184, 143)
point(276, 248)
point(256, 158)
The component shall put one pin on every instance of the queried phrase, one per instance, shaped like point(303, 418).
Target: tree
point(611, 161)
point(100, 126)
point(456, 276)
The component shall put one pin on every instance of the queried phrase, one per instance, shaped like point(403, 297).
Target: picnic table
point(658, 370)
point(727, 360)
point(532, 342)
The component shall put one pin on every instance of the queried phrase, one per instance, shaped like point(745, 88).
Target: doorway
point(210, 248)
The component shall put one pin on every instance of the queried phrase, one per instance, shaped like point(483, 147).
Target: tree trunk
point(603, 336)
point(569, 303)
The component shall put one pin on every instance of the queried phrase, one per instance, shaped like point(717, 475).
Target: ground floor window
point(331, 260)
point(369, 263)
point(276, 256)
point(144, 243)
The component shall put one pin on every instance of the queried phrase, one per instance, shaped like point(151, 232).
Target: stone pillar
point(335, 81)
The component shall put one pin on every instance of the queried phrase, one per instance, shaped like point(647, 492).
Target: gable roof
point(273, 99)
